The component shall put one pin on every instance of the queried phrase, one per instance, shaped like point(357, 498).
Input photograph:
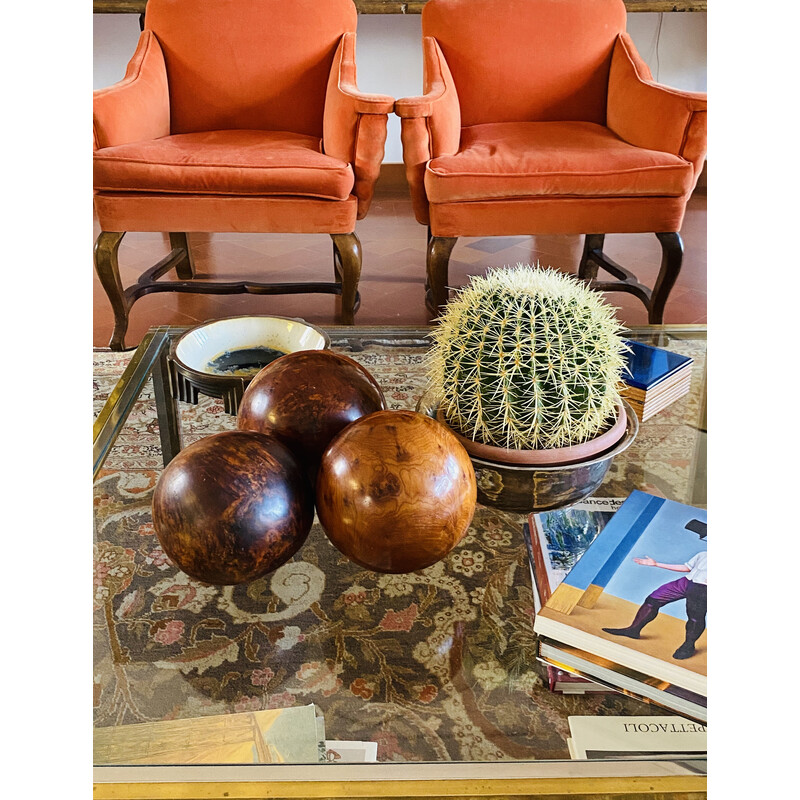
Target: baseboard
point(392, 180)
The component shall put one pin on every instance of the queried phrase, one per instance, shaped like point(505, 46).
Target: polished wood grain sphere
point(306, 398)
point(396, 491)
point(232, 507)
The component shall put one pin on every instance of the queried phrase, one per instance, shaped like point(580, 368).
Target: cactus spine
point(527, 358)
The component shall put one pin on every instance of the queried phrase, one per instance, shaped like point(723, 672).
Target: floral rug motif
point(435, 665)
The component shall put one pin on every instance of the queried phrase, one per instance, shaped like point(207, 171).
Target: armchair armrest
point(136, 108)
point(648, 114)
point(354, 123)
point(430, 125)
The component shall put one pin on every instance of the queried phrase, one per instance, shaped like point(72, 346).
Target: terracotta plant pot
point(533, 488)
point(557, 456)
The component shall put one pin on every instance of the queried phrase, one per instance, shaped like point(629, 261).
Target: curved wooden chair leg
point(337, 264)
point(439, 250)
point(592, 246)
point(106, 264)
point(348, 248)
point(671, 262)
point(184, 268)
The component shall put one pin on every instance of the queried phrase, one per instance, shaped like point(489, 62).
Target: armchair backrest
point(527, 60)
point(249, 64)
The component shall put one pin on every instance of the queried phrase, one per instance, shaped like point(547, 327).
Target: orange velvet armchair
point(236, 116)
point(539, 117)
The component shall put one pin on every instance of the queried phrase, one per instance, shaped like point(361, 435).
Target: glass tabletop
point(437, 670)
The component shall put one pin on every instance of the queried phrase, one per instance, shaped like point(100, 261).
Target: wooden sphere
point(232, 507)
point(306, 398)
point(395, 491)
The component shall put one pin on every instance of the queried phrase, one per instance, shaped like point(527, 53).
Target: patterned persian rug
point(436, 665)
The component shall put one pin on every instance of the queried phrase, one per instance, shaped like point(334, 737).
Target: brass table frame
point(680, 779)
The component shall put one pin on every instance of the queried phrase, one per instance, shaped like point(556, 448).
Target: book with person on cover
point(637, 596)
point(630, 737)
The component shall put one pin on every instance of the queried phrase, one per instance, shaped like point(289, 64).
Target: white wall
point(389, 54)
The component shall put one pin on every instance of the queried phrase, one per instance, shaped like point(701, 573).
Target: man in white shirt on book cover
point(692, 587)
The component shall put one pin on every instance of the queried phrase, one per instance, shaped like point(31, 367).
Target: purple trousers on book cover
point(694, 593)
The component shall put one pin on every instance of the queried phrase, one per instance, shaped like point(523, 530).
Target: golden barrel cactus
point(527, 358)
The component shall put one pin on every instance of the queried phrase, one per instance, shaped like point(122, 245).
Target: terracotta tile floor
point(393, 272)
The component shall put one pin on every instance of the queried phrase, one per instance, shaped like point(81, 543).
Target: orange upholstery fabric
point(248, 64)
point(530, 159)
point(354, 128)
point(239, 100)
point(431, 124)
point(225, 162)
point(675, 121)
point(538, 116)
point(130, 211)
point(137, 107)
point(522, 60)
point(439, 105)
point(548, 216)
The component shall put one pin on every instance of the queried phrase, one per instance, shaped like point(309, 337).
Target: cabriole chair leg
point(671, 262)
point(592, 245)
point(347, 253)
point(654, 299)
point(185, 268)
point(337, 264)
point(439, 250)
point(106, 264)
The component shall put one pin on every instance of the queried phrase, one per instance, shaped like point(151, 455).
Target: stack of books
point(630, 612)
point(560, 681)
point(654, 378)
point(555, 541)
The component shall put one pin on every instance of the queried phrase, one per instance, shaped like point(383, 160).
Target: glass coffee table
point(437, 669)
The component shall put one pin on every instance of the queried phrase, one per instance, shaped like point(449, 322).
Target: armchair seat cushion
point(570, 159)
point(225, 162)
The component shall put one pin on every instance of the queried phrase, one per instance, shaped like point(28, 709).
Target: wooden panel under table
point(410, 7)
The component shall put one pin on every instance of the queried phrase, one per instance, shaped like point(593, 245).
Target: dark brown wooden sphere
point(306, 398)
point(396, 491)
point(232, 507)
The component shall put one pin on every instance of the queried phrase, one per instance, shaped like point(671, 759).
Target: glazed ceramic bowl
point(527, 489)
point(221, 357)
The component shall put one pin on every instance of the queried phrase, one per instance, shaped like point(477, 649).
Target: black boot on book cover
point(646, 613)
point(693, 631)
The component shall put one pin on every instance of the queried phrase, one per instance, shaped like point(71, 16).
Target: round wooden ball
point(306, 398)
point(232, 507)
point(396, 491)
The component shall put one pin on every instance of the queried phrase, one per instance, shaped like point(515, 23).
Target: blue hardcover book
point(648, 366)
point(637, 596)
